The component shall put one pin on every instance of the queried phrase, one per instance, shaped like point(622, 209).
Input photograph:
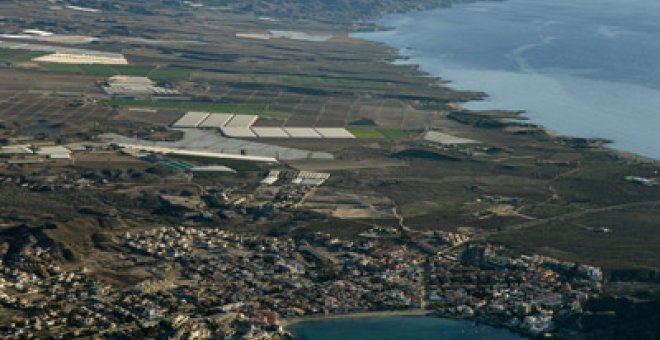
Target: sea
point(583, 68)
point(398, 328)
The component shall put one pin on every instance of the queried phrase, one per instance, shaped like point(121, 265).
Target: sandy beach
point(361, 315)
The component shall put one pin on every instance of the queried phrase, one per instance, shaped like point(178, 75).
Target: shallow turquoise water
point(398, 328)
point(587, 68)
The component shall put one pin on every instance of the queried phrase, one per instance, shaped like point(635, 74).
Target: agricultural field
point(169, 73)
point(152, 72)
point(311, 80)
point(236, 164)
point(236, 108)
point(192, 106)
point(377, 133)
point(393, 133)
point(99, 70)
point(533, 193)
point(28, 108)
point(366, 133)
point(176, 165)
point(11, 56)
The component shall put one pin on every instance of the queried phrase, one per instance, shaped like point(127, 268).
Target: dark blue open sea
point(588, 68)
point(397, 328)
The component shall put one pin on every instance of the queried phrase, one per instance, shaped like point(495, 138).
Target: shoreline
point(358, 315)
point(398, 55)
point(413, 313)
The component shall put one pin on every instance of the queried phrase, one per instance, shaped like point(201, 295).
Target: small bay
point(397, 328)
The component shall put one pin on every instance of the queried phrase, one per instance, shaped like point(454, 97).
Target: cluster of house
point(529, 293)
point(453, 239)
point(294, 278)
point(214, 282)
point(45, 299)
point(52, 180)
point(48, 302)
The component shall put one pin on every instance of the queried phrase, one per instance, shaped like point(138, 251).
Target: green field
point(126, 70)
point(10, 56)
point(100, 70)
point(366, 133)
point(94, 70)
point(277, 115)
point(170, 73)
point(310, 80)
point(393, 133)
point(377, 133)
point(237, 108)
point(133, 70)
point(236, 164)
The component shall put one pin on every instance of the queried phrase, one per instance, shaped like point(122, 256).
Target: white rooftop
point(311, 178)
point(311, 174)
point(334, 133)
point(210, 142)
point(52, 150)
point(309, 181)
point(302, 132)
point(272, 177)
point(244, 121)
point(73, 58)
point(445, 138)
point(216, 120)
point(238, 132)
point(15, 149)
point(212, 168)
point(191, 119)
point(270, 132)
point(130, 80)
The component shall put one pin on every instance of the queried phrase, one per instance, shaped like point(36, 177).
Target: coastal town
point(212, 283)
point(253, 169)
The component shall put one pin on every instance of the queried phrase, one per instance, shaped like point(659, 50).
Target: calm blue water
point(397, 328)
point(588, 68)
